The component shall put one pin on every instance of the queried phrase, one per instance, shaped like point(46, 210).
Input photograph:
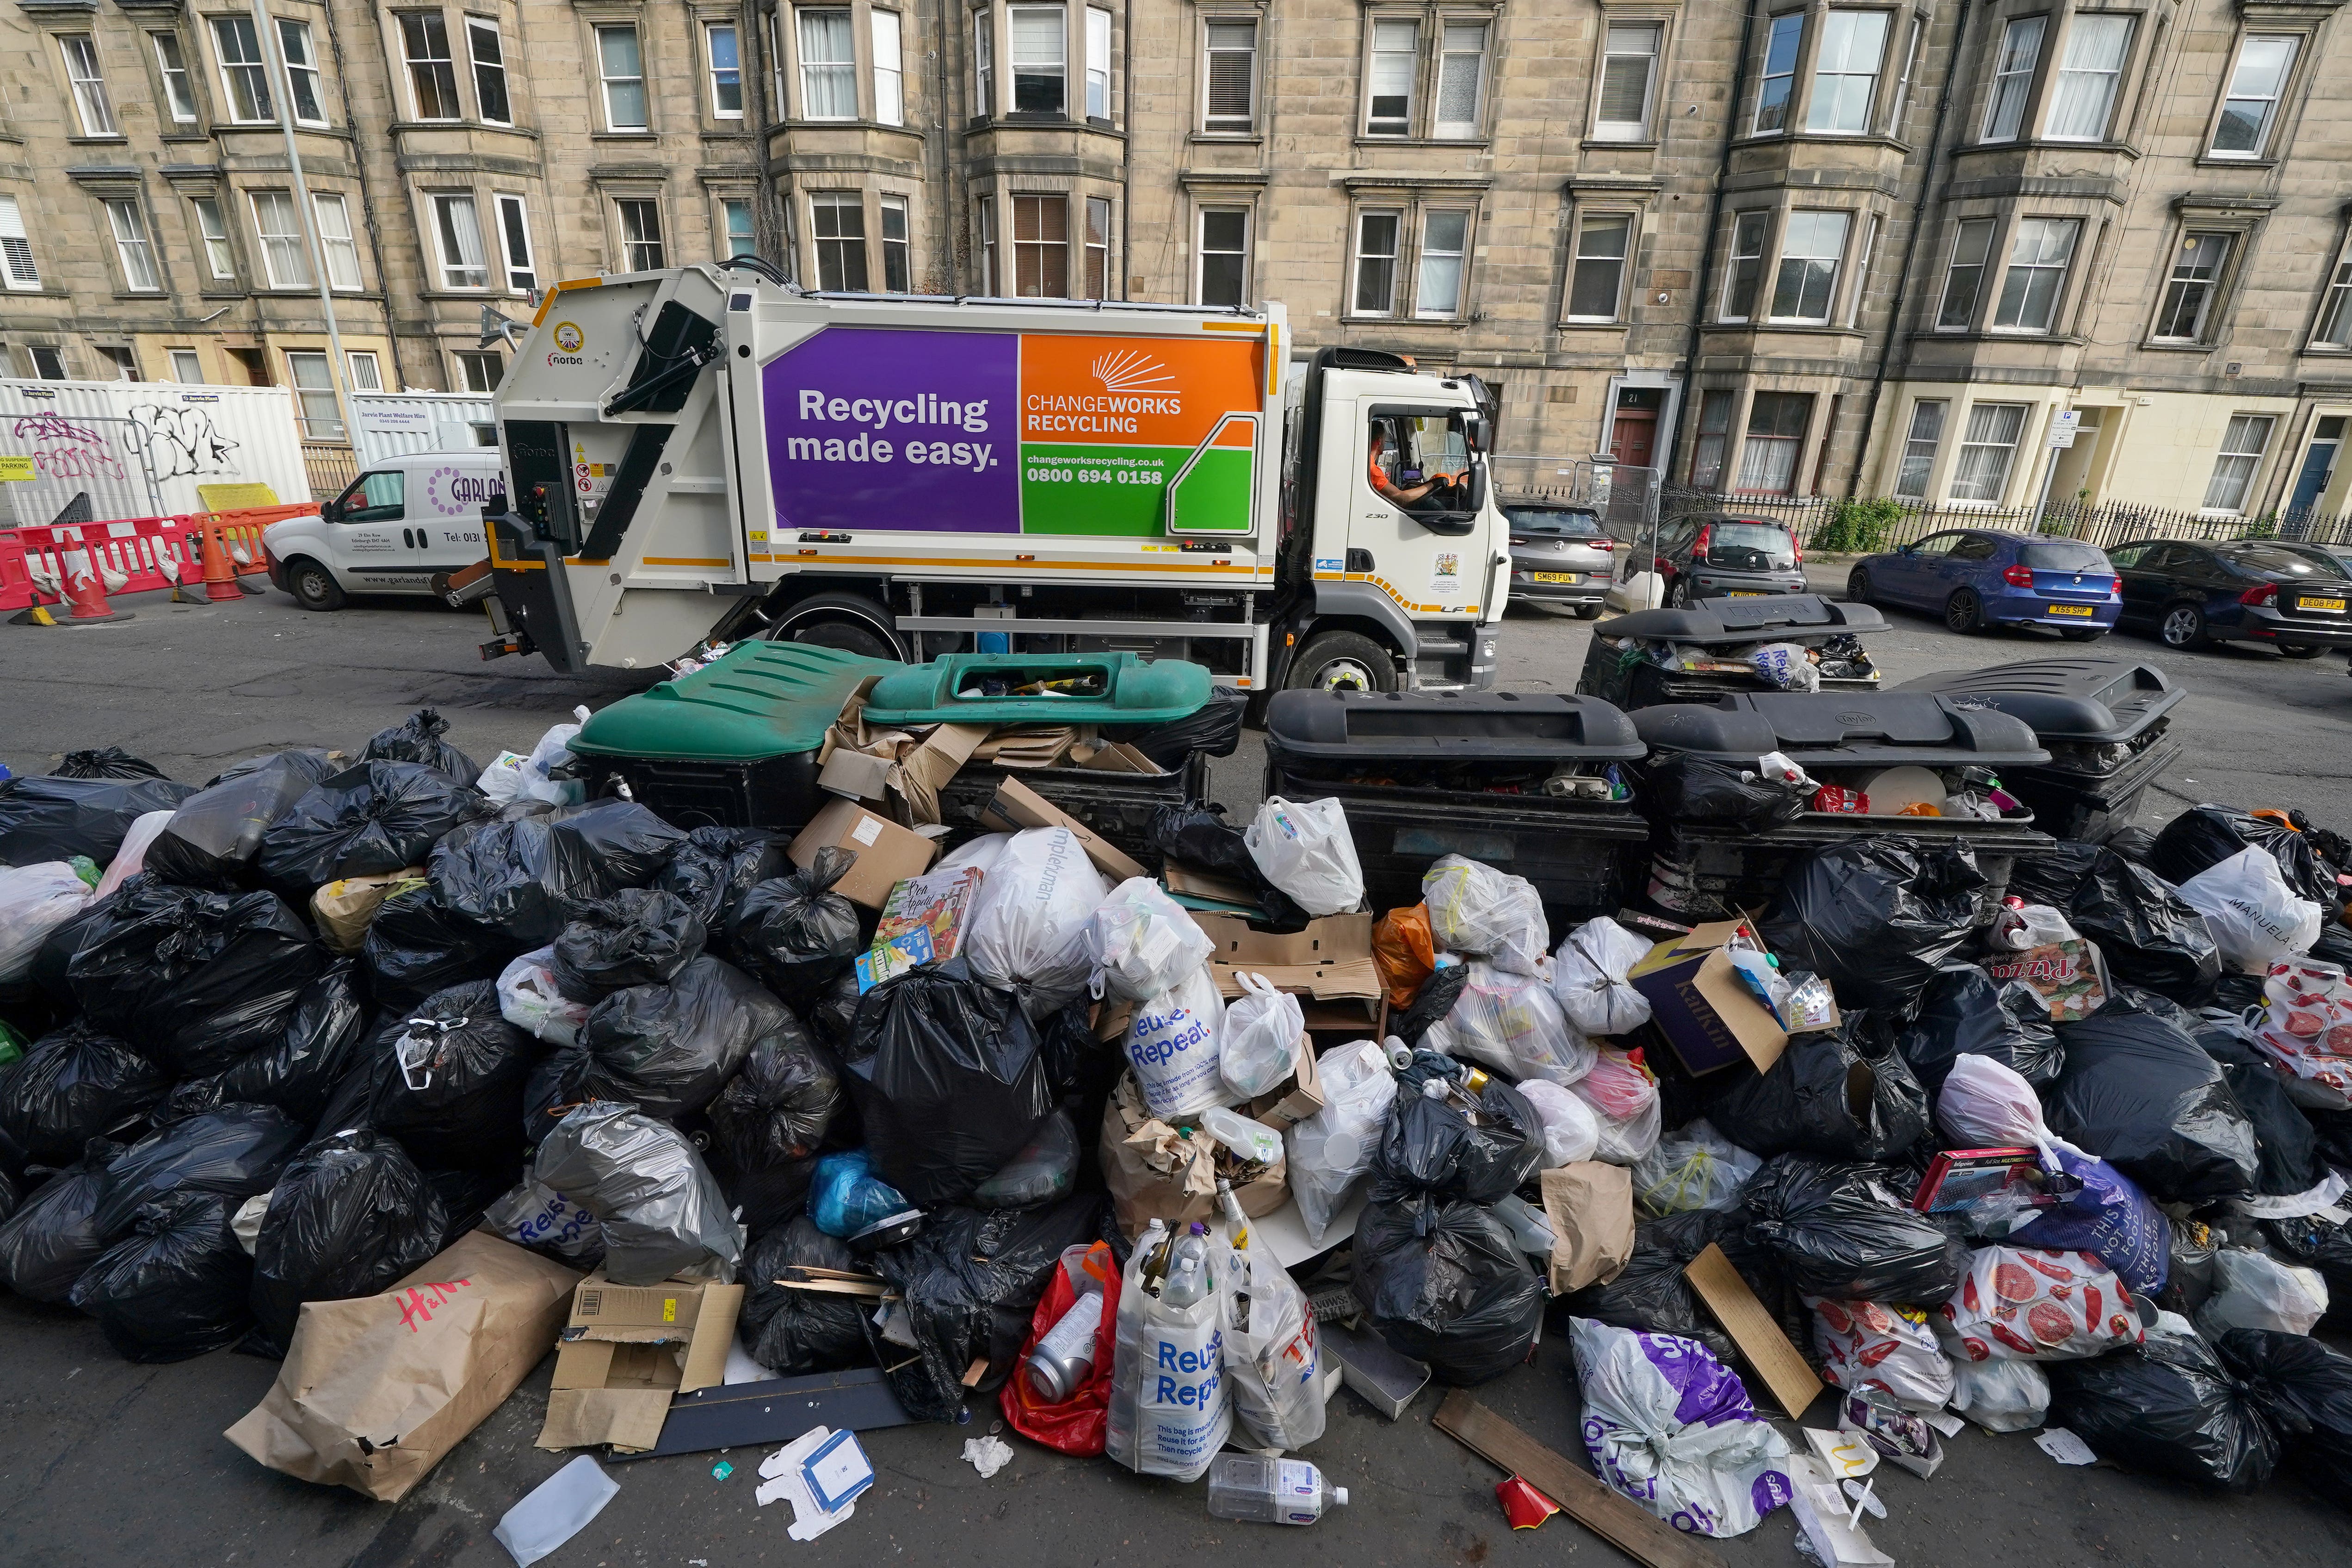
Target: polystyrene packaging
point(1331, 1149)
point(1572, 1132)
point(1259, 1046)
point(1172, 1044)
point(1589, 976)
point(33, 901)
point(1170, 1400)
point(1625, 1104)
point(1142, 942)
point(2256, 920)
point(1304, 849)
point(529, 999)
point(1480, 912)
point(1028, 926)
point(1513, 1024)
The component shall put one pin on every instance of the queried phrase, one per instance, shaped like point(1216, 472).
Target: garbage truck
point(703, 455)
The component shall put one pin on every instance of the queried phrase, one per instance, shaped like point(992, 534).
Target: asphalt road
point(108, 1464)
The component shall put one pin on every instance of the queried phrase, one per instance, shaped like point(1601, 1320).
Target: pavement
point(108, 1464)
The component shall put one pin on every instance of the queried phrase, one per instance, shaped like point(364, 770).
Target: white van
point(405, 521)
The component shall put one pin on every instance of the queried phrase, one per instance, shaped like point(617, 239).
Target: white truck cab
point(405, 521)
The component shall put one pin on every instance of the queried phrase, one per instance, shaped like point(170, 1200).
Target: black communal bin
point(1423, 774)
point(2104, 722)
point(1709, 871)
point(1617, 669)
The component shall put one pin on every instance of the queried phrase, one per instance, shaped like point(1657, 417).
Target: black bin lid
point(2077, 698)
point(1805, 619)
point(1362, 727)
point(1843, 730)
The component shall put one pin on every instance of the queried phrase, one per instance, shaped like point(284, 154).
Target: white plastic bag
point(558, 1509)
point(2001, 1395)
point(1172, 1044)
point(1572, 1132)
point(1625, 1104)
point(1588, 975)
point(1513, 1024)
point(1480, 912)
point(2256, 1291)
point(1270, 1356)
point(1870, 1344)
point(1170, 1401)
point(1698, 1168)
point(511, 777)
point(1260, 1044)
point(1784, 667)
point(980, 854)
point(527, 999)
point(1028, 925)
point(2255, 919)
point(1304, 847)
point(1142, 942)
point(1985, 1104)
point(33, 901)
point(2031, 1304)
point(1670, 1428)
point(132, 858)
point(1333, 1148)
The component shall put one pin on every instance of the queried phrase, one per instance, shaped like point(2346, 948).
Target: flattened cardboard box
point(627, 1350)
point(1329, 966)
point(1702, 1006)
point(1016, 807)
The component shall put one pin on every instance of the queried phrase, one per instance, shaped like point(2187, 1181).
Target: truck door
point(1417, 495)
point(374, 548)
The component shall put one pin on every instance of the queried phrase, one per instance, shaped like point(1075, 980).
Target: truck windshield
point(1423, 463)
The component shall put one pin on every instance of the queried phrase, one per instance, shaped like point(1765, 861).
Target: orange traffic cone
point(85, 588)
point(220, 572)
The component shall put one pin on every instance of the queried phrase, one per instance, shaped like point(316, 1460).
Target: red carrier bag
point(1077, 1425)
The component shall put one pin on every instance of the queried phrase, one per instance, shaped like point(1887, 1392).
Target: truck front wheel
point(845, 622)
point(1342, 661)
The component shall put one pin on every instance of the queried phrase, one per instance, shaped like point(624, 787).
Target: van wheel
point(313, 586)
point(843, 622)
point(1342, 661)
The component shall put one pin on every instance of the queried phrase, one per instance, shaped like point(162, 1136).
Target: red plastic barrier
point(136, 547)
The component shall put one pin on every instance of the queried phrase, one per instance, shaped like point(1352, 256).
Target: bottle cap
point(1339, 1496)
point(1200, 1227)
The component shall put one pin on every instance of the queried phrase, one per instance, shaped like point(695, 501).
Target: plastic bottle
point(1066, 1352)
point(1270, 1491)
point(1188, 1269)
point(1247, 1138)
point(1154, 1248)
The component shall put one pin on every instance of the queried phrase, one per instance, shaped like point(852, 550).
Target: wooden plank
point(1582, 1496)
point(1786, 1373)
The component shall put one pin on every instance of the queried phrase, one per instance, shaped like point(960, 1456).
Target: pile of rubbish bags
point(2076, 1157)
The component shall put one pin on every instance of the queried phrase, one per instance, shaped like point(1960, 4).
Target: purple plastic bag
point(2110, 1217)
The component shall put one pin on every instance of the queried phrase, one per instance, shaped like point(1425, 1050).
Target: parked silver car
point(1560, 556)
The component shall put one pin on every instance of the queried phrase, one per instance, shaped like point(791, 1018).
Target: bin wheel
point(2183, 627)
point(2084, 634)
point(1342, 661)
point(313, 586)
point(1857, 585)
point(2301, 650)
point(1962, 613)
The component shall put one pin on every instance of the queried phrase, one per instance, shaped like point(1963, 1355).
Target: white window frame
point(123, 358)
point(441, 69)
point(1970, 441)
point(458, 272)
point(494, 68)
point(1784, 48)
point(1860, 278)
point(1449, 57)
point(293, 33)
point(633, 259)
point(1359, 257)
point(1098, 53)
point(609, 82)
point(1430, 250)
point(1915, 469)
point(730, 209)
point(211, 236)
point(888, 31)
point(468, 362)
point(897, 249)
point(1408, 28)
point(187, 366)
point(2271, 101)
point(1976, 234)
point(828, 83)
point(2236, 466)
point(285, 243)
point(776, 63)
point(172, 65)
point(992, 265)
point(1214, 55)
point(2080, 73)
point(1200, 251)
point(984, 60)
point(342, 250)
point(514, 242)
point(366, 372)
point(835, 204)
point(2332, 327)
point(1613, 52)
point(1040, 67)
point(1095, 250)
point(1813, 227)
point(315, 426)
point(18, 268)
point(86, 76)
point(1830, 106)
point(1627, 224)
point(49, 362)
point(2063, 266)
point(1760, 220)
point(2193, 243)
point(722, 78)
point(2011, 94)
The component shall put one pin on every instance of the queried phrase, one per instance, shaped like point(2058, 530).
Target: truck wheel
point(843, 622)
point(312, 585)
point(1342, 661)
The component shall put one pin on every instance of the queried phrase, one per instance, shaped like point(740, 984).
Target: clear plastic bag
point(1260, 1044)
point(1172, 1045)
point(132, 858)
point(1589, 976)
point(1142, 942)
point(1784, 667)
point(1270, 1354)
point(1481, 913)
point(1332, 1150)
point(1513, 1024)
point(530, 999)
point(1304, 849)
point(1625, 1104)
point(1696, 1168)
point(1984, 1104)
point(2256, 1291)
point(1572, 1132)
point(33, 901)
point(2001, 1395)
point(1028, 926)
point(2255, 918)
point(511, 777)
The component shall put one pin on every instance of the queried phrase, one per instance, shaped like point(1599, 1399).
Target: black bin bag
point(797, 934)
point(2316, 1241)
point(325, 1041)
point(57, 818)
point(2167, 1407)
point(1844, 1094)
point(195, 979)
point(524, 876)
point(1197, 834)
point(768, 1122)
point(716, 866)
point(2286, 1150)
point(833, 1017)
point(794, 1331)
point(1843, 1231)
point(417, 945)
point(1877, 916)
point(350, 1215)
point(1214, 730)
point(72, 1085)
point(1965, 1012)
point(1445, 1283)
point(448, 1080)
point(106, 762)
point(2146, 933)
point(176, 1286)
point(1683, 787)
point(235, 1152)
point(971, 1279)
point(2204, 836)
point(666, 1050)
point(2303, 1389)
point(367, 820)
point(949, 1078)
point(1650, 1294)
point(53, 1237)
point(1430, 1146)
point(419, 739)
point(214, 836)
point(2140, 1093)
point(637, 937)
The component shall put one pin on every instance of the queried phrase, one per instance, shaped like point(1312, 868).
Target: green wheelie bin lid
point(1120, 688)
point(760, 699)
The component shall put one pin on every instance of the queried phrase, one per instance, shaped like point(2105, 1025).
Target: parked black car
point(1723, 554)
point(2190, 593)
point(1560, 554)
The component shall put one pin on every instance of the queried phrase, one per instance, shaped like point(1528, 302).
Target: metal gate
point(92, 466)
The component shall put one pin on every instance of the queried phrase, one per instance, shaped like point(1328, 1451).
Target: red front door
point(1630, 438)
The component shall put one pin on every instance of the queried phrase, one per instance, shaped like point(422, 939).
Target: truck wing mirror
point(1473, 432)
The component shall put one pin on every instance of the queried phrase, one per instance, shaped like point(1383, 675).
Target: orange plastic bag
point(1079, 1424)
point(1405, 951)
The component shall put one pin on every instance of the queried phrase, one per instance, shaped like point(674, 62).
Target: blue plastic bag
point(847, 1199)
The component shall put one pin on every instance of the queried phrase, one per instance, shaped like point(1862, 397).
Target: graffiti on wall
point(64, 450)
point(181, 441)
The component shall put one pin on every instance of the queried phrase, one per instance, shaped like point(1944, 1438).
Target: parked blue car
point(1980, 577)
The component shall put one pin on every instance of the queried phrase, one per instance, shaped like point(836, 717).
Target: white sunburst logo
point(1131, 371)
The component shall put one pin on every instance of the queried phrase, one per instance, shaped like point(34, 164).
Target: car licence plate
point(1743, 594)
point(2335, 604)
point(1555, 577)
point(2069, 609)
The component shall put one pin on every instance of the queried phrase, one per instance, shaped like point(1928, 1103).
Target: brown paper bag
point(343, 910)
point(1590, 1207)
point(1156, 1171)
point(375, 1390)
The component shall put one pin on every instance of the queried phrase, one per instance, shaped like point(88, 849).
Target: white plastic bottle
point(1188, 1269)
point(1270, 1491)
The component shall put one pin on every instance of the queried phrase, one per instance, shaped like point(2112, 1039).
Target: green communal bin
point(1616, 671)
point(735, 744)
point(1123, 692)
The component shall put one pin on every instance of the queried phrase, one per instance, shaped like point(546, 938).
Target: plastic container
point(2105, 722)
point(1423, 774)
point(1270, 1491)
point(1249, 1140)
point(1615, 672)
